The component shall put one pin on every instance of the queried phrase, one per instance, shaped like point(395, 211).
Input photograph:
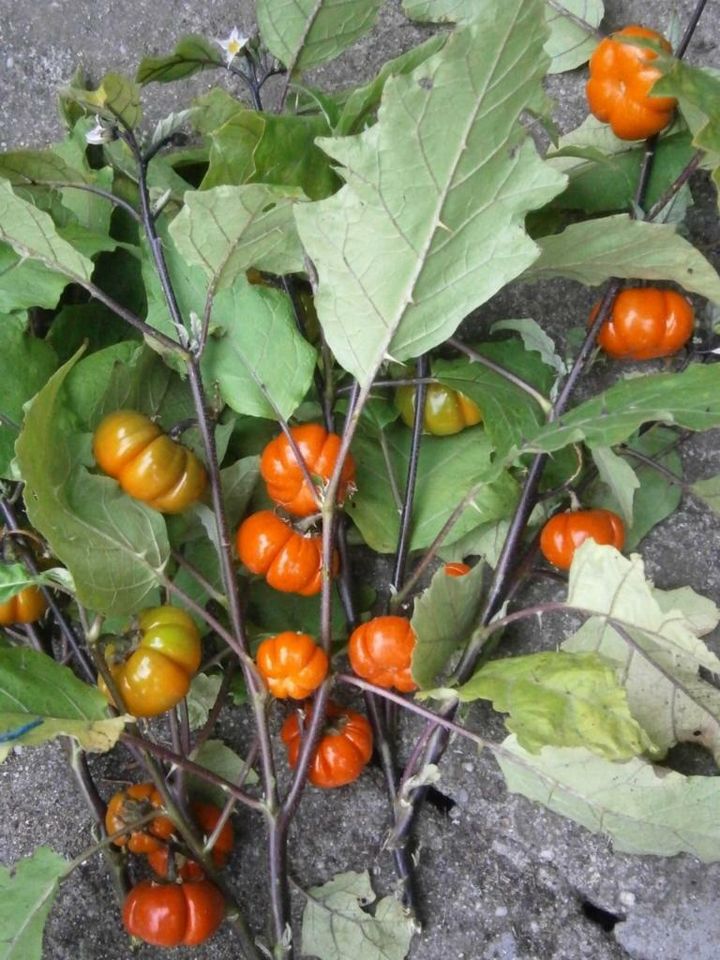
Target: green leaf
point(201, 697)
point(441, 194)
point(30, 167)
point(536, 340)
point(117, 98)
point(661, 656)
point(192, 54)
point(448, 468)
point(238, 482)
point(278, 150)
point(484, 541)
point(261, 364)
point(689, 399)
point(510, 415)
point(114, 546)
point(27, 893)
point(33, 687)
point(443, 619)
point(360, 107)
point(305, 33)
point(619, 477)
point(337, 925)
point(600, 182)
point(226, 230)
point(446, 11)
point(26, 364)
point(573, 36)
point(33, 235)
point(274, 612)
point(562, 700)
point(595, 250)
point(217, 757)
point(698, 93)
point(656, 498)
point(708, 491)
point(13, 577)
point(643, 809)
point(26, 283)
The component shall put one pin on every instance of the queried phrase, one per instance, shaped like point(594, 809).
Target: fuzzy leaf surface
point(643, 809)
point(336, 925)
point(439, 187)
point(305, 33)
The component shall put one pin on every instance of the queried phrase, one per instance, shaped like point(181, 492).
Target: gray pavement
point(501, 879)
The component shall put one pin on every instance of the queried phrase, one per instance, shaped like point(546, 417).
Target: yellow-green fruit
point(446, 411)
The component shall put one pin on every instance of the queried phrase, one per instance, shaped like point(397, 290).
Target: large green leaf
point(41, 700)
point(114, 546)
point(28, 167)
point(660, 654)
point(192, 54)
point(643, 809)
point(305, 33)
point(337, 925)
point(595, 250)
point(448, 468)
point(26, 283)
point(226, 230)
point(690, 399)
point(27, 892)
point(262, 366)
point(439, 192)
point(26, 364)
point(443, 618)
point(562, 700)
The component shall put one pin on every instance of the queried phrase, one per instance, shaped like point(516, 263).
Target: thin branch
point(508, 375)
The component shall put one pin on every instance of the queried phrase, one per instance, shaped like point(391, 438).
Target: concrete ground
point(501, 879)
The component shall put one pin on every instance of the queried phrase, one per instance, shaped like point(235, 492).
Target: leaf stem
point(508, 375)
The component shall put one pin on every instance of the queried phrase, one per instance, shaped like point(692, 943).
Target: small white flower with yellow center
point(233, 45)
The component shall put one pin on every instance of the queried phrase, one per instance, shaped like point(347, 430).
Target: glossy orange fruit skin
point(146, 463)
point(646, 323)
point(446, 411)
point(129, 805)
point(158, 674)
point(206, 816)
point(289, 561)
point(380, 652)
point(292, 665)
point(457, 568)
point(344, 749)
point(621, 77)
point(173, 914)
point(27, 606)
point(563, 534)
point(284, 478)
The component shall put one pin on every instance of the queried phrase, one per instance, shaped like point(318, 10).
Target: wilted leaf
point(441, 194)
point(337, 924)
point(27, 893)
point(562, 700)
point(643, 809)
point(305, 33)
point(117, 97)
point(45, 700)
point(443, 619)
point(201, 697)
point(659, 652)
point(595, 250)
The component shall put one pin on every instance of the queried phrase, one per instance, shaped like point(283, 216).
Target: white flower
point(100, 133)
point(233, 45)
